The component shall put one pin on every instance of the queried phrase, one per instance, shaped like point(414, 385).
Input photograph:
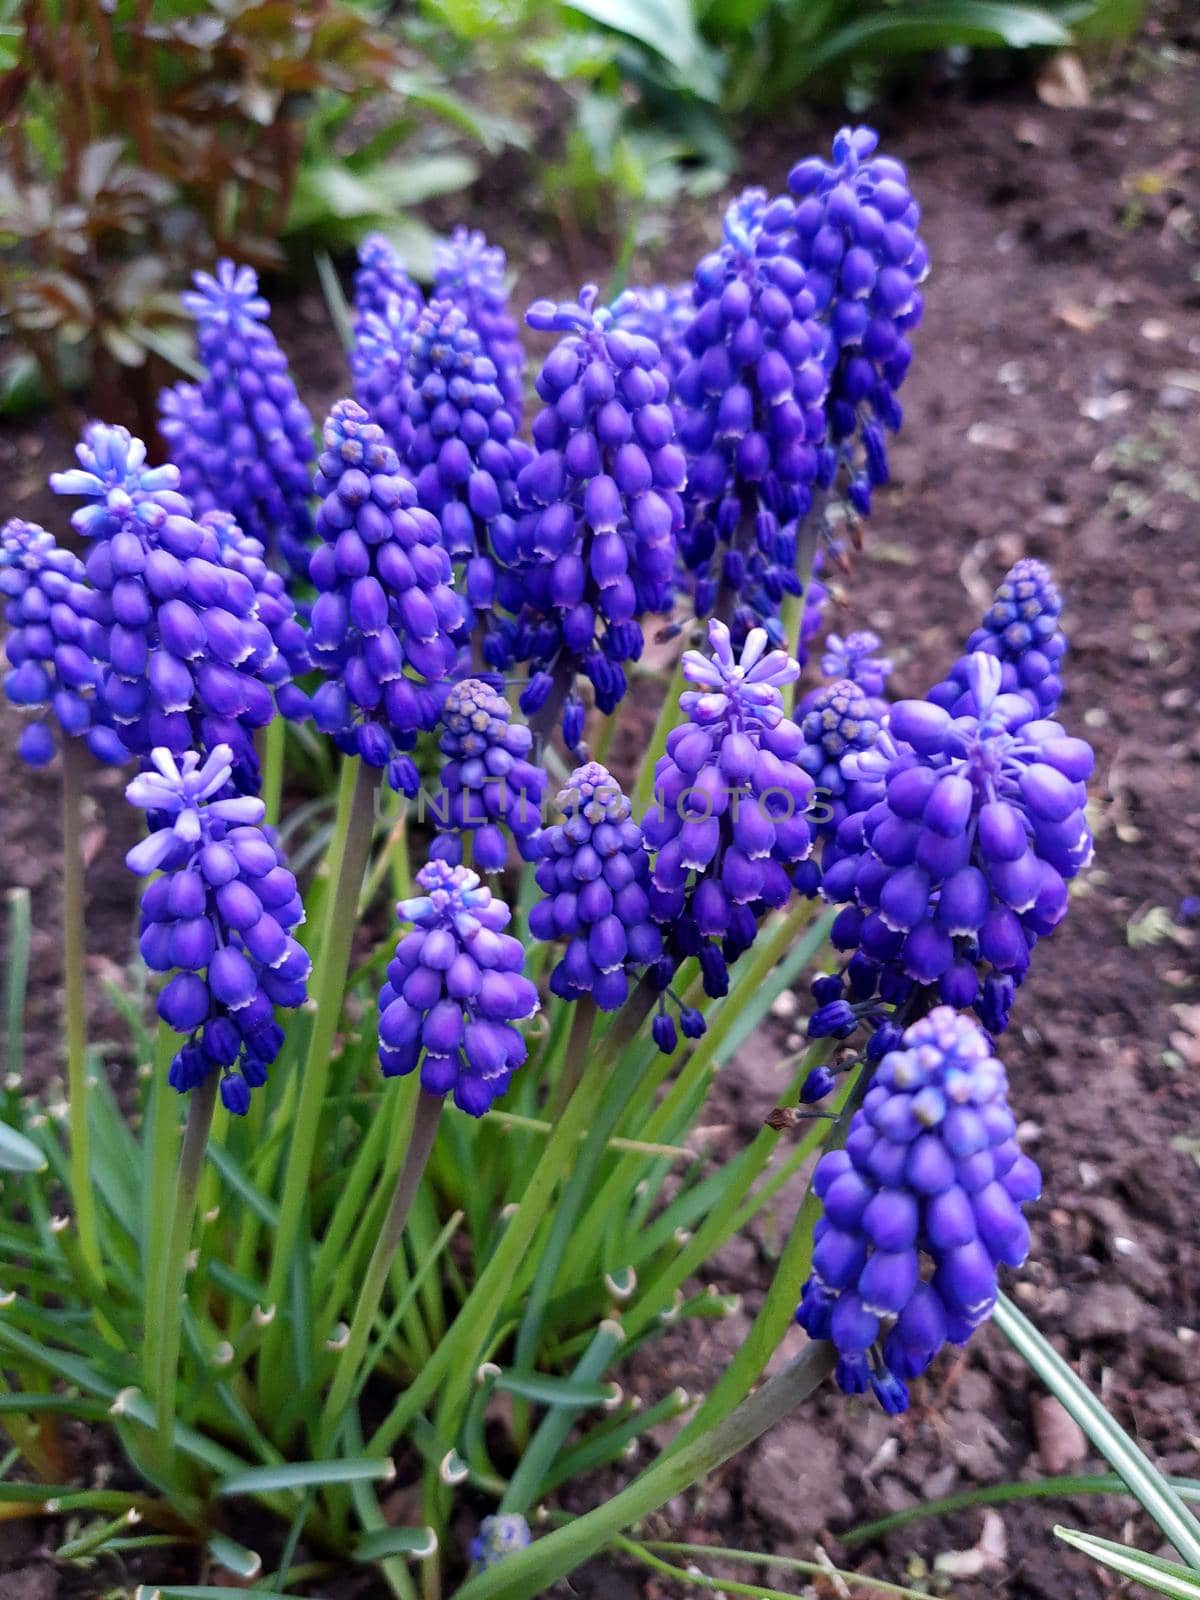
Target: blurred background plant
point(141, 141)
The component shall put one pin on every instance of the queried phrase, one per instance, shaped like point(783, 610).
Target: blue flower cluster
point(186, 660)
point(595, 878)
point(470, 272)
point(752, 402)
point(728, 824)
point(857, 658)
point(1021, 629)
point(839, 723)
point(931, 1172)
point(385, 621)
point(962, 863)
point(664, 314)
point(243, 440)
point(220, 916)
point(381, 277)
point(499, 1536)
point(379, 361)
point(488, 780)
point(604, 488)
point(52, 645)
point(459, 443)
point(454, 991)
point(853, 228)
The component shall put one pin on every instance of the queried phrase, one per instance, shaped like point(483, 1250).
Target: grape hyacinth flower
point(499, 1536)
point(379, 361)
point(381, 277)
point(488, 780)
point(455, 988)
point(853, 228)
point(385, 621)
point(931, 1172)
point(963, 863)
point(752, 403)
point(274, 608)
point(595, 878)
point(857, 658)
point(243, 439)
point(458, 441)
point(470, 272)
point(220, 916)
point(187, 661)
point(839, 723)
point(1021, 629)
point(728, 824)
point(52, 645)
point(663, 313)
point(604, 488)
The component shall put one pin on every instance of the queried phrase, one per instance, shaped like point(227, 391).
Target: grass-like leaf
point(1152, 1572)
point(1145, 1481)
point(307, 1475)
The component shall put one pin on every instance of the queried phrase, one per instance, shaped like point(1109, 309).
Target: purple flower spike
point(470, 272)
point(386, 622)
point(1022, 631)
point(457, 439)
point(839, 724)
point(598, 545)
point(857, 658)
point(931, 1172)
point(192, 648)
point(853, 228)
point(455, 991)
point(663, 313)
point(752, 409)
point(595, 878)
point(728, 825)
point(221, 912)
point(960, 863)
point(381, 276)
point(243, 439)
point(489, 784)
point(53, 646)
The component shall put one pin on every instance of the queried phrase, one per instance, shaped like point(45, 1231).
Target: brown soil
point(1054, 410)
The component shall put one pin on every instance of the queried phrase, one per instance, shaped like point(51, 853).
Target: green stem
point(778, 1308)
point(275, 740)
point(530, 1572)
point(348, 852)
point(75, 1005)
point(162, 1144)
point(424, 1131)
point(645, 1554)
point(459, 1350)
point(203, 1101)
point(583, 1020)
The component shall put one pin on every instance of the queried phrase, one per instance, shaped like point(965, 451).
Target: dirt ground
point(1054, 410)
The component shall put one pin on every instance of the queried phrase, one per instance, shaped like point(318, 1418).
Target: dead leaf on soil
point(1082, 319)
point(1063, 83)
point(988, 1555)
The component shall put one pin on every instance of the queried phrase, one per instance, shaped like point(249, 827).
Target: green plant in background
point(141, 140)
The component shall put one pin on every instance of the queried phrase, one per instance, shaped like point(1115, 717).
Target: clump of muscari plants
point(339, 1279)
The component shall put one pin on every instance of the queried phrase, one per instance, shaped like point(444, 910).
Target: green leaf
point(307, 1475)
point(234, 1557)
point(1145, 1482)
point(547, 1391)
point(21, 387)
point(910, 30)
point(17, 1153)
point(207, 1591)
point(1164, 1577)
point(378, 1546)
point(328, 193)
point(666, 27)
